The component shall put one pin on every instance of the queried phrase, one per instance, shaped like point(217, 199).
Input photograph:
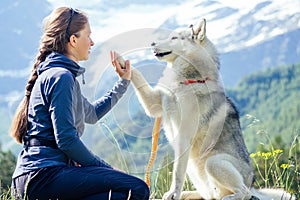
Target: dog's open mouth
point(158, 54)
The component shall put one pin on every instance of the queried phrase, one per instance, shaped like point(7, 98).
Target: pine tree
point(7, 163)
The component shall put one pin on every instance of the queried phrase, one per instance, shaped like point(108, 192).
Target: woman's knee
point(141, 190)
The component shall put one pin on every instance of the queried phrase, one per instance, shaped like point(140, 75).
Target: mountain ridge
point(248, 39)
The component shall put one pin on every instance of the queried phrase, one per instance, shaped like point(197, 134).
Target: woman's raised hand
point(123, 69)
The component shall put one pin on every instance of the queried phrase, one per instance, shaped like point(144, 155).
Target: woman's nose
point(92, 42)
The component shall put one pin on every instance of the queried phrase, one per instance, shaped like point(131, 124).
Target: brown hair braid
point(62, 23)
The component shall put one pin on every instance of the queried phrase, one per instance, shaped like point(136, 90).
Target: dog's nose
point(153, 44)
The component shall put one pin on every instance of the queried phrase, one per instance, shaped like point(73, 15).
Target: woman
point(50, 120)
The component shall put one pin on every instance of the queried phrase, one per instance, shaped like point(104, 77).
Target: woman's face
point(81, 45)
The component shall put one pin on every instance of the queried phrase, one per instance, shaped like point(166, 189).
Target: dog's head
point(185, 43)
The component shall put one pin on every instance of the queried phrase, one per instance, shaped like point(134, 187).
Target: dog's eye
point(174, 38)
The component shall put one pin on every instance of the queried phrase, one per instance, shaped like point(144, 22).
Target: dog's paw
point(238, 196)
point(121, 61)
point(171, 195)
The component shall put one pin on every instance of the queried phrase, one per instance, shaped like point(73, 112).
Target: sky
point(142, 15)
point(111, 18)
point(118, 20)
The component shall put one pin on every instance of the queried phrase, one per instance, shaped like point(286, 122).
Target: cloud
point(107, 21)
point(131, 18)
point(15, 73)
point(74, 3)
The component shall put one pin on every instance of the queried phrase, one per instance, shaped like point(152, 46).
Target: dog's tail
point(272, 194)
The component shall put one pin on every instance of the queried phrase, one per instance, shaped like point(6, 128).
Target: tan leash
point(155, 134)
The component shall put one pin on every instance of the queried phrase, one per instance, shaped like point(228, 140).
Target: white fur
point(194, 120)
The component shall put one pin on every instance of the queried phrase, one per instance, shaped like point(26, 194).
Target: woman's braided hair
point(58, 27)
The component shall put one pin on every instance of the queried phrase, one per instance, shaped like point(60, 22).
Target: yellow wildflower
point(276, 152)
point(266, 155)
point(252, 155)
point(285, 166)
point(259, 154)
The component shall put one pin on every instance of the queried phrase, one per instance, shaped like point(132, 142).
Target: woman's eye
point(174, 38)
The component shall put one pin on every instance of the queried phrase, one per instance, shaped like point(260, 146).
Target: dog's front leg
point(185, 128)
point(149, 98)
point(179, 173)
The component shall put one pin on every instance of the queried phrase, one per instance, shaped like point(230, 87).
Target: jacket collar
point(55, 59)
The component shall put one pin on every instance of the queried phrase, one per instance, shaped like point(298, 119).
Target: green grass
point(274, 168)
point(162, 178)
point(5, 194)
point(278, 168)
point(276, 164)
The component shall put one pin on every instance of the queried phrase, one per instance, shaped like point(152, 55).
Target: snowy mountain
point(250, 35)
point(233, 26)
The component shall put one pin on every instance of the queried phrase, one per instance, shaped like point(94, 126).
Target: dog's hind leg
point(229, 182)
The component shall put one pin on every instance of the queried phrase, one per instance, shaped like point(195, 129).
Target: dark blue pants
point(84, 183)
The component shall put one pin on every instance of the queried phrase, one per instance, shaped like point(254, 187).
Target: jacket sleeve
point(105, 103)
point(63, 122)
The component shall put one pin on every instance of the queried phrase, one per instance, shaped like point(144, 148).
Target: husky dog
point(200, 121)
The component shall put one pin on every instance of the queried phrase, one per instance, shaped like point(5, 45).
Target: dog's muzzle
point(157, 53)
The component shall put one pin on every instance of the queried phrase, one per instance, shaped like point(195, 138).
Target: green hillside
point(269, 107)
point(269, 104)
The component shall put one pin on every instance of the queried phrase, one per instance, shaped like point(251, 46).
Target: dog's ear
point(200, 32)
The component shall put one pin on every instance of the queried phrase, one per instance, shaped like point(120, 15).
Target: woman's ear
point(73, 40)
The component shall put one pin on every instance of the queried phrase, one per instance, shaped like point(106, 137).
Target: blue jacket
point(58, 112)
